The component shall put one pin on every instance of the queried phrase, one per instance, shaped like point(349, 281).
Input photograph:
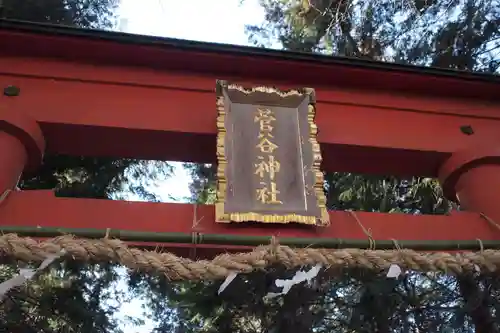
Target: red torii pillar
point(471, 176)
point(21, 147)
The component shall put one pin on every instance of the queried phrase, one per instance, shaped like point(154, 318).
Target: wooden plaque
point(268, 156)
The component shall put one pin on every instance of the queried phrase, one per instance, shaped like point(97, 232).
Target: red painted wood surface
point(111, 49)
point(135, 112)
point(96, 96)
point(47, 210)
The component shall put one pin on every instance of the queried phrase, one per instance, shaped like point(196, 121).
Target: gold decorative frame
point(220, 214)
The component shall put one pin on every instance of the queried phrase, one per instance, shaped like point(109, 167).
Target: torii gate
point(99, 93)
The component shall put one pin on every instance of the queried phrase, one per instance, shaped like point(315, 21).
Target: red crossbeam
point(141, 113)
point(42, 208)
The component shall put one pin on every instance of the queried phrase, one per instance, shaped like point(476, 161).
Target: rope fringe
point(490, 220)
point(4, 195)
point(176, 268)
point(367, 232)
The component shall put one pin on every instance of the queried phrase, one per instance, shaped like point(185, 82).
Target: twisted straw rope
point(176, 268)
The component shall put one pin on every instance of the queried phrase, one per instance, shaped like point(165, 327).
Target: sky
point(219, 21)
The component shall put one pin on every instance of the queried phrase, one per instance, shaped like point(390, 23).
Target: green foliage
point(71, 297)
point(385, 194)
point(203, 178)
point(342, 301)
point(458, 34)
point(98, 178)
point(81, 13)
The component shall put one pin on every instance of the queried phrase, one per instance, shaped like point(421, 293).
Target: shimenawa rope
point(176, 268)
